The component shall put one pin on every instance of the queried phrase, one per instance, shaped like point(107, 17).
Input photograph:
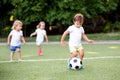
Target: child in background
point(41, 33)
point(76, 32)
point(14, 39)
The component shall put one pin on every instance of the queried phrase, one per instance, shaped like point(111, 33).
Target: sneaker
point(81, 67)
point(68, 63)
point(40, 53)
point(80, 62)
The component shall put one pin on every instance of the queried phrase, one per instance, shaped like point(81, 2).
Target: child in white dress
point(41, 33)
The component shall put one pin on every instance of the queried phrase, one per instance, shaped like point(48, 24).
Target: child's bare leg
point(11, 56)
point(39, 48)
point(81, 54)
point(74, 54)
point(19, 55)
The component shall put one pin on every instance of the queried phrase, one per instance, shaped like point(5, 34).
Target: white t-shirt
point(16, 37)
point(75, 35)
point(40, 34)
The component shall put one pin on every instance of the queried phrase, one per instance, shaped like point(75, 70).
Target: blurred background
point(101, 16)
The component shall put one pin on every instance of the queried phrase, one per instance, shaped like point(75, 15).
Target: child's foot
point(19, 59)
point(11, 60)
point(81, 67)
point(81, 62)
point(40, 53)
point(68, 63)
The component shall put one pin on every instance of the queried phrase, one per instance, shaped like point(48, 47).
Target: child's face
point(42, 26)
point(19, 27)
point(77, 24)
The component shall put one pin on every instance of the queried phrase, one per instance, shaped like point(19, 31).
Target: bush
point(5, 31)
point(112, 27)
point(116, 26)
point(107, 27)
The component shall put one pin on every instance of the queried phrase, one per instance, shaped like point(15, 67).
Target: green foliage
point(5, 31)
point(59, 12)
point(112, 27)
point(28, 11)
point(111, 5)
point(107, 27)
point(116, 26)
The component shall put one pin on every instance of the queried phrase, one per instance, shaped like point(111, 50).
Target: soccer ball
point(75, 63)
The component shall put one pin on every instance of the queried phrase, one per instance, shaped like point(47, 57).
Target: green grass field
point(101, 62)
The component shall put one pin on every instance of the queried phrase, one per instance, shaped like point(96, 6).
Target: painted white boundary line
point(33, 60)
point(83, 42)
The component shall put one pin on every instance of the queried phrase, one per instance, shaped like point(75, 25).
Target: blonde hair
point(78, 17)
point(39, 25)
point(16, 22)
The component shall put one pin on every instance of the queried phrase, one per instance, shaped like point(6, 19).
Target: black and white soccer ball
point(75, 63)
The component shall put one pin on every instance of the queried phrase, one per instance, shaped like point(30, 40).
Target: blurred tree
point(60, 12)
point(96, 9)
point(5, 8)
point(28, 10)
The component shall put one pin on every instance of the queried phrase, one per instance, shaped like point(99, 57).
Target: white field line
point(83, 42)
point(35, 60)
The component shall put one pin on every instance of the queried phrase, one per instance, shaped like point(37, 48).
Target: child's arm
point(23, 39)
point(34, 33)
point(46, 37)
point(63, 38)
point(8, 39)
point(86, 38)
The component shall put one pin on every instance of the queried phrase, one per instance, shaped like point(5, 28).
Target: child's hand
point(24, 42)
point(8, 43)
point(91, 41)
point(31, 35)
point(63, 43)
point(47, 41)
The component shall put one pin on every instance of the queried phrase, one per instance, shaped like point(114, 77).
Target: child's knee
point(18, 50)
point(74, 54)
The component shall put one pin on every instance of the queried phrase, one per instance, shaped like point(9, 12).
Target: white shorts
point(75, 48)
point(39, 42)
